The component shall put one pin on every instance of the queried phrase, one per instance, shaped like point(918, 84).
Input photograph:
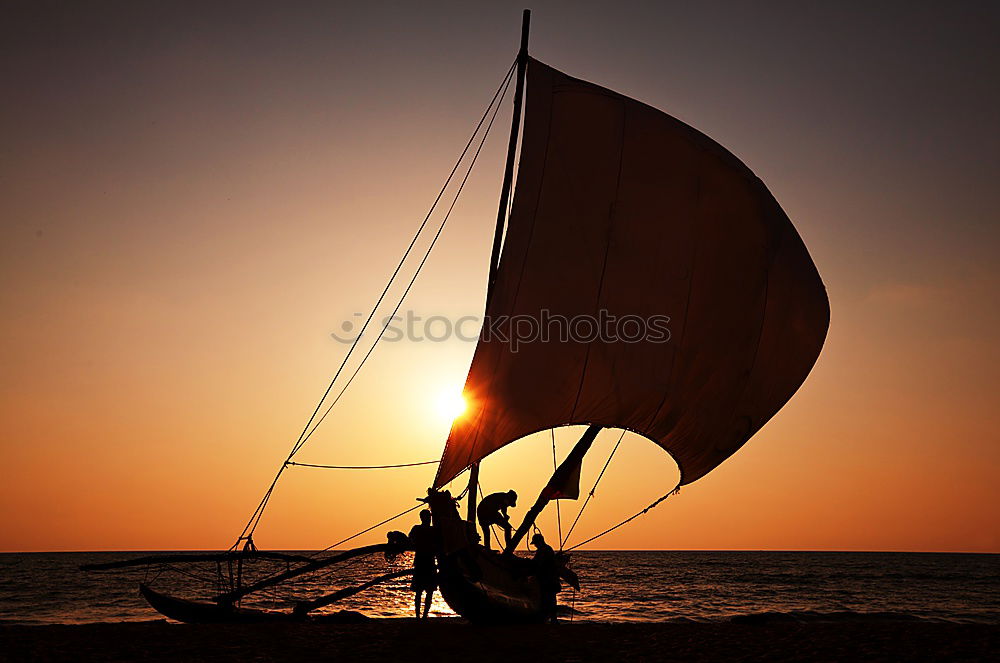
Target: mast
point(508, 173)
point(508, 179)
point(473, 491)
point(558, 478)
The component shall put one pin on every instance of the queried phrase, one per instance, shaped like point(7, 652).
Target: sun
point(451, 405)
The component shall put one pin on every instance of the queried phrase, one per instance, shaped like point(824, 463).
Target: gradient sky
point(194, 195)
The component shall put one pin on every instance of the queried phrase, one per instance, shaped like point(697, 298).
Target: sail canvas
point(671, 295)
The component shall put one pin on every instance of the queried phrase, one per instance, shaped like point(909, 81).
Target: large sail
point(624, 216)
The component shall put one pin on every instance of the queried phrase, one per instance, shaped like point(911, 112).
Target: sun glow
point(451, 405)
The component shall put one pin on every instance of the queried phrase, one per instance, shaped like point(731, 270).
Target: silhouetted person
point(424, 539)
point(547, 572)
point(493, 511)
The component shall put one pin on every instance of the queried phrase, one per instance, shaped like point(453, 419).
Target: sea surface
point(47, 588)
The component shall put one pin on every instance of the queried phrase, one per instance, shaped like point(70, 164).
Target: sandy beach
point(451, 640)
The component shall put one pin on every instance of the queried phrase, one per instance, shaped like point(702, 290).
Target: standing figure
point(492, 510)
point(424, 539)
point(547, 572)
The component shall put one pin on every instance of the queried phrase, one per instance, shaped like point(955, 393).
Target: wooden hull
point(484, 586)
point(195, 612)
point(479, 584)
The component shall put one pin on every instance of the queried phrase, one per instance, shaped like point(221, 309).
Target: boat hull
point(483, 586)
point(479, 584)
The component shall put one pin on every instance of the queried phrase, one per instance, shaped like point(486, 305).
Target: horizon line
point(704, 550)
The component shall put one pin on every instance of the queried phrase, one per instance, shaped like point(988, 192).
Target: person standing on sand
point(492, 510)
point(424, 539)
point(548, 576)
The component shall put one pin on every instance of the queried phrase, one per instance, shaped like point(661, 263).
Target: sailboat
point(617, 212)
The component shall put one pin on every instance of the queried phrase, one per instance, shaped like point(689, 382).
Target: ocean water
point(46, 588)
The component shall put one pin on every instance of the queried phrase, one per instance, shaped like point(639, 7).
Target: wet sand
point(451, 640)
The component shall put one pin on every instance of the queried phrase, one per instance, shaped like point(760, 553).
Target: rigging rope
point(498, 94)
point(493, 527)
point(306, 433)
point(583, 506)
point(558, 508)
point(627, 520)
point(365, 531)
point(387, 520)
point(360, 467)
point(413, 280)
point(482, 494)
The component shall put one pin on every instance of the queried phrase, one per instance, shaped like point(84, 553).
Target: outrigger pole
point(314, 565)
point(505, 187)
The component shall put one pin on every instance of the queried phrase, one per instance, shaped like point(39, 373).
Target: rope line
point(629, 519)
point(503, 87)
point(255, 517)
point(493, 527)
point(365, 531)
point(361, 467)
point(583, 506)
point(558, 507)
point(420, 266)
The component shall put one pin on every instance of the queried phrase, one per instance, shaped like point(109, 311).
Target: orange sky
point(192, 203)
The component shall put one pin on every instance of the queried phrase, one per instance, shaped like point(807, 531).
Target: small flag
point(567, 486)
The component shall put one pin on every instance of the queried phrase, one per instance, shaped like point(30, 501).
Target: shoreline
point(446, 639)
point(354, 618)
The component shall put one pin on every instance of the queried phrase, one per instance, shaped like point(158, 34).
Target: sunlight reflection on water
point(617, 586)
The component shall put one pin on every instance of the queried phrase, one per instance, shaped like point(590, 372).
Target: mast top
point(525, 22)
point(508, 175)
